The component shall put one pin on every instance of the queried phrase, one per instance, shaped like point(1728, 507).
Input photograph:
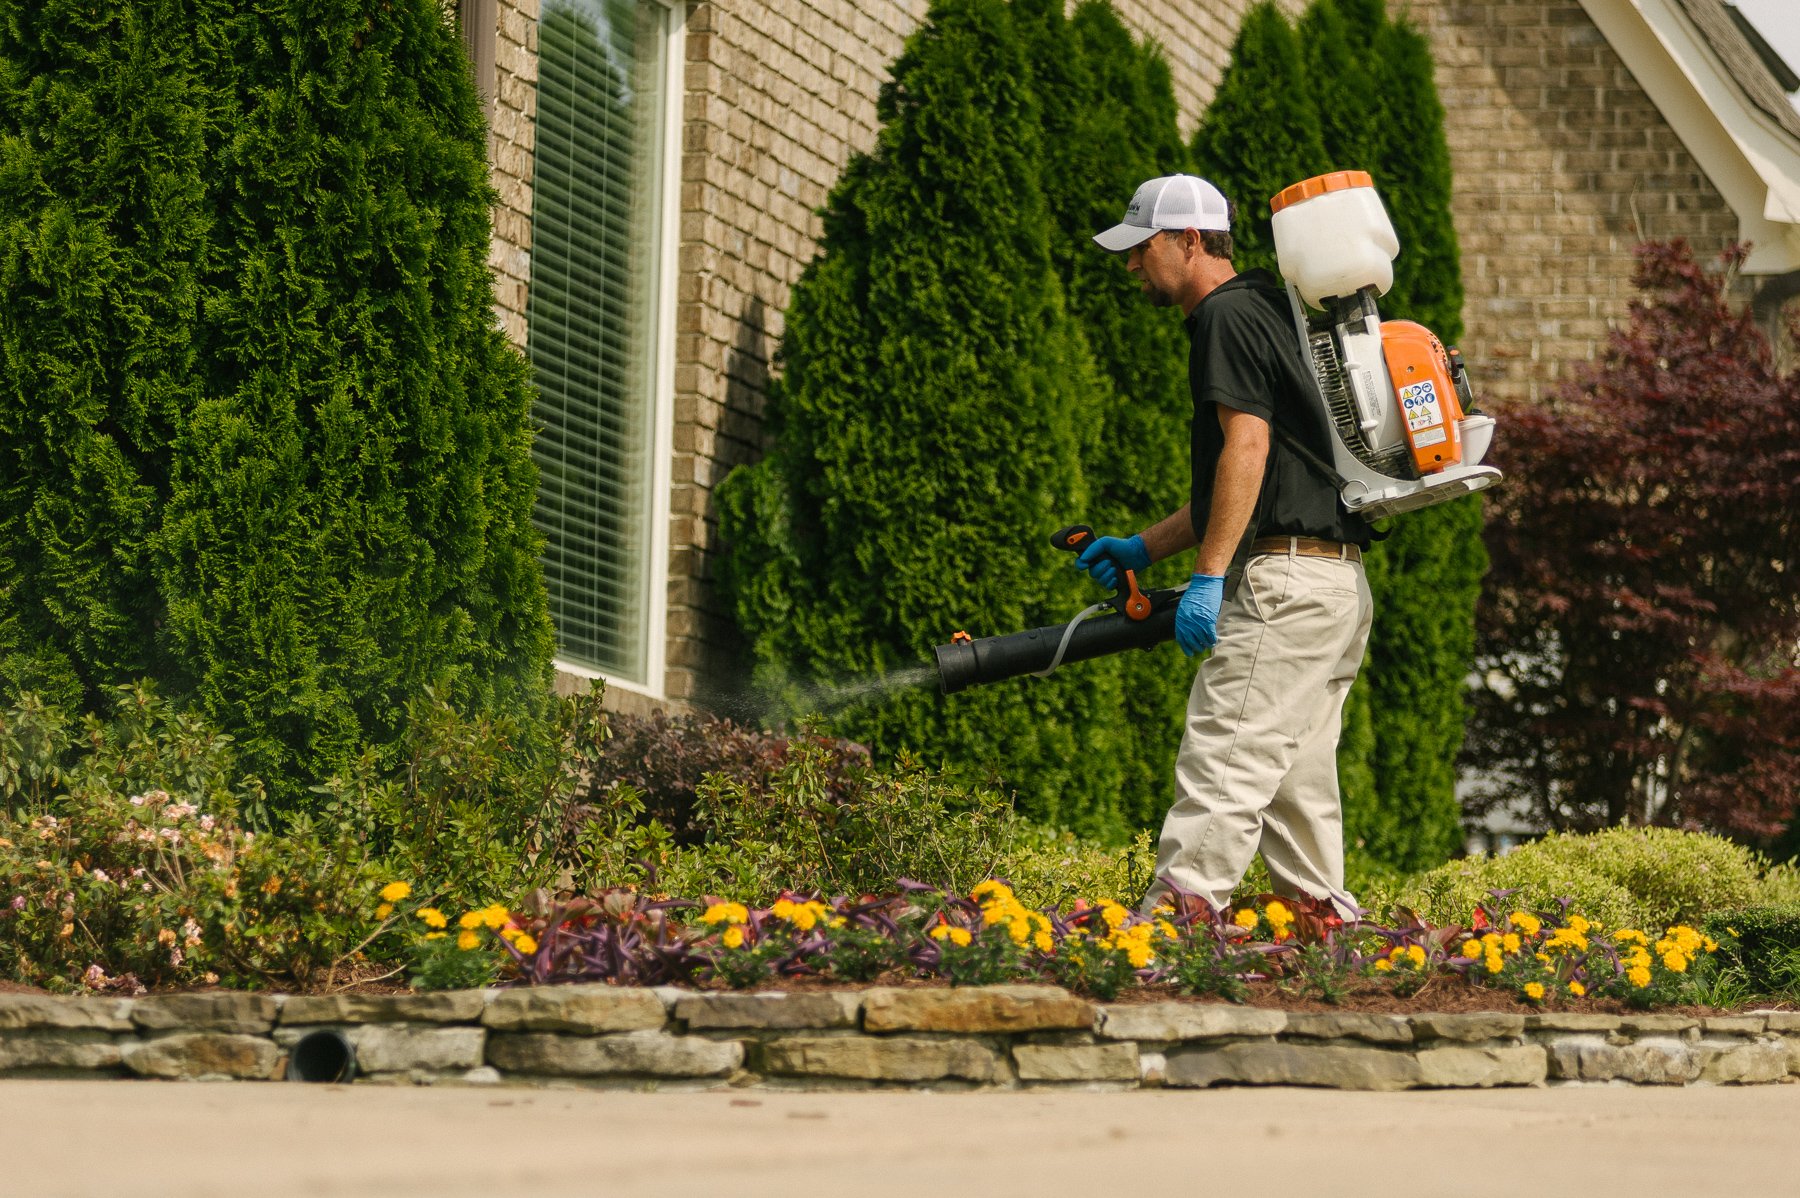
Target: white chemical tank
point(1333, 236)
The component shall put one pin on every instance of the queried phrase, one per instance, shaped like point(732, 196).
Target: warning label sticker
point(1420, 403)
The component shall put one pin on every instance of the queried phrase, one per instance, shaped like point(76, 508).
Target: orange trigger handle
point(1137, 604)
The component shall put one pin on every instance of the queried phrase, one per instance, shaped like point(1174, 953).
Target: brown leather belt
point(1306, 547)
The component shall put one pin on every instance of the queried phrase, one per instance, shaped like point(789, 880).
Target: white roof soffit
point(1750, 158)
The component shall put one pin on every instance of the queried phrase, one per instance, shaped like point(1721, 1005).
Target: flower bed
point(1285, 948)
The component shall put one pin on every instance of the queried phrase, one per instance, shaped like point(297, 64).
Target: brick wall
point(512, 135)
point(780, 94)
point(1562, 164)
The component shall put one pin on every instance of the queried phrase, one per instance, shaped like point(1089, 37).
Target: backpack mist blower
point(1404, 430)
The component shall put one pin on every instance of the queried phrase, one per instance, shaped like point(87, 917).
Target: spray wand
point(1138, 619)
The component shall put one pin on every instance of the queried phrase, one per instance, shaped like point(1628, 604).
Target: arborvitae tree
point(1114, 123)
point(1339, 52)
point(104, 235)
point(1261, 133)
point(928, 430)
point(1356, 94)
point(299, 489)
point(1426, 577)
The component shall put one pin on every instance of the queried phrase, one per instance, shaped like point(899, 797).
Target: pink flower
point(18, 902)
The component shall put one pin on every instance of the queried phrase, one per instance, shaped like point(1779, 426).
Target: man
point(1278, 591)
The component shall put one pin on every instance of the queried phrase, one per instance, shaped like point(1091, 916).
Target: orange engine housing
point(1420, 369)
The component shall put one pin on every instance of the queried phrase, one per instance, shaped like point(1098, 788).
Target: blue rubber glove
point(1197, 617)
point(1108, 556)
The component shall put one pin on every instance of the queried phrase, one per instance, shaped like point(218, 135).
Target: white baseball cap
point(1171, 202)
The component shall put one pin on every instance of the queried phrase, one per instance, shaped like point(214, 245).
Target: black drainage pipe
point(965, 663)
point(322, 1056)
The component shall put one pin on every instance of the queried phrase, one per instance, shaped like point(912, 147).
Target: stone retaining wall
point(1000, 1037)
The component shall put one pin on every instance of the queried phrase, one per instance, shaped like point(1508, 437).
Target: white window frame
point(662, 385)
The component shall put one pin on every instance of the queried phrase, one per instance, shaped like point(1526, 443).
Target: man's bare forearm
point(1172, 534)
point(1236, 485)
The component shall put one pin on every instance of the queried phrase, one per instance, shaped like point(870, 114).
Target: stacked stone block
point(992, 1037)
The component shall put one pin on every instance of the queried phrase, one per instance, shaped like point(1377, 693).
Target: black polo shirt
point(1245, 354)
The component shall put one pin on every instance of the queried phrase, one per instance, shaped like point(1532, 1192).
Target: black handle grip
point(1074, 538)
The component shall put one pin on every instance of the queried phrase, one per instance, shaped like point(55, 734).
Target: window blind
point(591, 320)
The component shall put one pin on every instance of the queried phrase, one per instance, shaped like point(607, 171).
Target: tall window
point(594, 323)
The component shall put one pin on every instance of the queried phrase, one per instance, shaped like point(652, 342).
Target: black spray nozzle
point(967, 661)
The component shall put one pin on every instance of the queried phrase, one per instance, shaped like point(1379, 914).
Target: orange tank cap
point(1318, 185)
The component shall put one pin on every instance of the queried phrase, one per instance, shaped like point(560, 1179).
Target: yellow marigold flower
point(467, 939)
point(960, 937)
point(1510, 942)
point(1579, 925)
point(1711, 945)
point(1630, 936)
point(1278, 912)
point(783, 909)
point(1534, 991)
point(1019, 930)
point(433, 917)
point(998, 889)
point(1494, 963)
point(1577, 989)
point(1676, 961)
point(436, 935)
point(1140, 955)
point(470, 920)
point(496, 916)
point(1526, 922)
point(734, 936)
point(726, 913)
point(1385, 965)
point(525, 944)
point(384, 910)
point(1638, 976)
point(1395, 953)
point(1113, 914)
point(1544, 957)
point(1491, 940)
point(1472, 949)
point(1167, 929)
point(1044, 942)
point(393, 892)
point(1416, 954)
point(1245, 919)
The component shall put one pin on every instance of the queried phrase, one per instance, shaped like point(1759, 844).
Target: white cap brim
point(1120, 238)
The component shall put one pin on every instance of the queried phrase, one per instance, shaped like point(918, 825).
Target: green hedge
point(931, 427)
point(1763, 942)
point(1647, 878)
point(263, 441)
point(1353, 90)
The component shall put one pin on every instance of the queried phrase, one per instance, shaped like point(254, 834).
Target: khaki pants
point(1258, 763)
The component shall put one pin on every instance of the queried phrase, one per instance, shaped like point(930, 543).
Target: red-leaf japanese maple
point(1639, 633)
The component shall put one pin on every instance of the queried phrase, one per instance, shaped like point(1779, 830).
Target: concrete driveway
point(200, 1140)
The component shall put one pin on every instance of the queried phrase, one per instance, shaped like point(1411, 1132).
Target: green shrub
point(1050, 868)
point(122, 862)
point(1763, 942)
point(262, 439)
point(810, 829)
point(666, 759)
point(1261, 132)
point(1640, 877)
point(929, 425)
